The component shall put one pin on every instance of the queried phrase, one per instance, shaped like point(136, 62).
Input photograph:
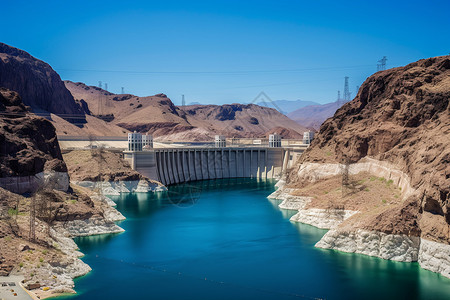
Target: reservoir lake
point(223, 239)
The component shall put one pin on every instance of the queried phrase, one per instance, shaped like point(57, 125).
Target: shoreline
point(430, 255)
point(320, 218)
point(63, 233)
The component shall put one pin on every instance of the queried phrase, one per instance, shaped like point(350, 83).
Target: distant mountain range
point(314, 115)
point(308, 114)
point(286, 106)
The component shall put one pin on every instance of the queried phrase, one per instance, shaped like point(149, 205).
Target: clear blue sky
point(226, 51)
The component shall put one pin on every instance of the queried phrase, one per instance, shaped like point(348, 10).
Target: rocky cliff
point(397, 129)
point(38, 84)
point(401, 116)
point(28, 144)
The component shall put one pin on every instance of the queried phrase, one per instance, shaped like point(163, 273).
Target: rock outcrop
point(38, 84)
point(397, 128)
point(29, 149)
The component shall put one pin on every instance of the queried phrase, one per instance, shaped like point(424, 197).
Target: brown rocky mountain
point(400, 117)
point(158, 115)
point(312, 116)
point(28, 144)
point(242, 120)
point(38, 84)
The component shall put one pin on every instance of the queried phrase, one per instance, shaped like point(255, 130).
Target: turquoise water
point(224, 239)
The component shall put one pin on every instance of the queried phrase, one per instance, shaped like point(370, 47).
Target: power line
point(214, 72)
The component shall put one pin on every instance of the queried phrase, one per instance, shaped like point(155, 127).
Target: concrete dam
point(178, 165)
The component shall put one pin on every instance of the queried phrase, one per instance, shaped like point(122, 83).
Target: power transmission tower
point(183, 102)
point(347, 94)
point(381, 66)
point(338, 101)
point(123, 91)
point(106, 86)
point(100, 84)
point(357, 89)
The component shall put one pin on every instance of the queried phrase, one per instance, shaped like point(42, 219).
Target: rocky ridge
point(29, 148)
point(38, 84)
point(192, 122)
point(397, 128)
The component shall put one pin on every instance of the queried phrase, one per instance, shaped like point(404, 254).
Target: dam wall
point(178, 165)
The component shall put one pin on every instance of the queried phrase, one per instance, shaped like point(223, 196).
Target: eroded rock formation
point(396, 128)
point(38, 84)
point(28, 143)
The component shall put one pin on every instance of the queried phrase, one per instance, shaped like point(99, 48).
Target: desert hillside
point(158, 115)
point(242, 120)
point(400, 117)
point(35, 189)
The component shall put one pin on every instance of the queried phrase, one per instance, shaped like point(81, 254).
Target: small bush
point(382, 179)
point(366, 189)
point(13, 212)
point(384, 201)
point(326, 192)
point(21, 265)
point(44, 252)
point(373, 178)
point(41, 259)
point(8, 238)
